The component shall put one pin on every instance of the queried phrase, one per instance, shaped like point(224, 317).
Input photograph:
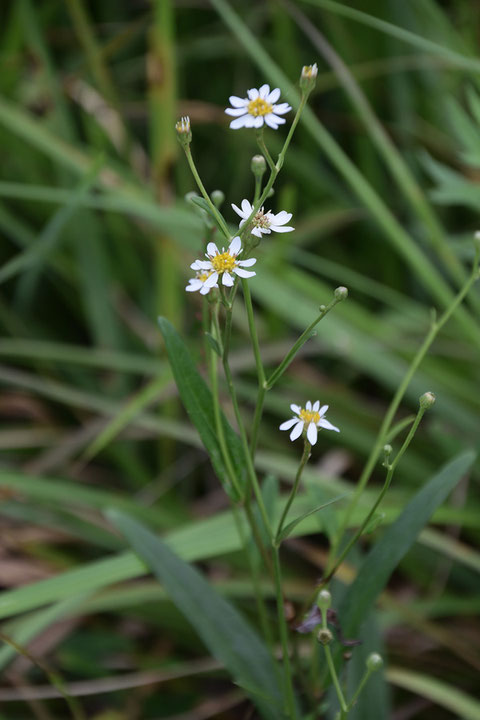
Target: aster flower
point(258, 108)
point(313, 417)
point(224, 263)
point(198, 282)
point(263, 222)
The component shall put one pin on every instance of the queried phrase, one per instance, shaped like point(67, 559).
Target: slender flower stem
point(306, 454)
point(393, 407)
point(360, 687)
point(276, 375)
point(221, 222)
point(336, 683)
point(264, 149)
point(258, 188)
point(258, 362)
point(283, 629)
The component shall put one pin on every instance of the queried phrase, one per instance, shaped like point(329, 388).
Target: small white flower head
point(258, 108)
point(198, 282)
point(308, 77)
point(224, 263)
point(309, 418)
point(184, 132)
point(264, 222)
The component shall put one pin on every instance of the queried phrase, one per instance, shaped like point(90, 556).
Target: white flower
point(224, 263)
point(198, 282)
point(263, 222)
point(258, 108)
point(311, 416)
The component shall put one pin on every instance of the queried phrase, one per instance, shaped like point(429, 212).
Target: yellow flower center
point(223, 262)
point(203, 275)
point(259, 107)
point(309, 416)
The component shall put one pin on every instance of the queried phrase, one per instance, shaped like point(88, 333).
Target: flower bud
point(308, 77)
point(258, 165)
point(184, 134)
point(324, 600)
point(218, 198)
point(427, 400)
point(324, 636)
point(341, 293)
point(374, 662)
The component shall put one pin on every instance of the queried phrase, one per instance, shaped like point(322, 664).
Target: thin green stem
point(283, 629)
point(259, 365)
point(276, 375)
point(221, 222)
point(393, 407)
point(359, 689)
point(306, 454)
point(258, 188)
point(333, 672)
point(264, 149)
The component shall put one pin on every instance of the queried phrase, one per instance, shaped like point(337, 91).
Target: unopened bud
point(190, 195)
point(374, 662)
point(324, 600)
point(258, 165)
point(341, 293)
point(184, 134)
point(218, 198)
point(427, 400)
point(324, 636)
point(308, 77)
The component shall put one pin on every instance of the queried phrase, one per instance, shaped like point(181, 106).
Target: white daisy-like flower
point(198, 282)
point(311, 416)
point(263, 222)
point(258, 108)
point(224, 263)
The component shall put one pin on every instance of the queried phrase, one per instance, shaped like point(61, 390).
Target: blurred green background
point(382, 179)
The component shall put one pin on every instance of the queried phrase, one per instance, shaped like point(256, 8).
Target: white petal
point(211, 280)
point(201, 265)
point(323, 409)
point(288, 424)
point(243, 273)
point(235, 112)
point(281, 218)
point(264, 91)
point(327, 425)
point(212, 249)
point(237, 101)
point(235, 246)
point(258, 121)
point(282, 108)
point(239, 122)
point(206, 290)
point(278, 120)
point(194, 285)
point(282, 228)
point(252, 94)
point(295, 409)
point(247, 208)
point(312, 433)
point(297, 430)
point(250, 121)
point(257, 231)
point(316, 405)
point(270, 120)
point(227, 279)
point(247, 263)
point(273, 96)
point(238, 211)
point(308, 405)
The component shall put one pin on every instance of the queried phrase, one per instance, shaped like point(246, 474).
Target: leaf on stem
point(198, 402)
point(288, 529)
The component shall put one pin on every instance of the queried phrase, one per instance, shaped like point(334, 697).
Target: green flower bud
point(427, 400)
point(184, 134)
point(324, 636)
point(374, 662)
point(308, 77)
point(258, 165)
point(341, 293)
point(218, 198)
point(324, 600)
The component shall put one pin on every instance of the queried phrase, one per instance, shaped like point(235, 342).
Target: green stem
point(393, 407)
point(306, 454)
point(276, 375)
point(336, 683)
point(259, 365)
point(221, 222)
point(264, 149)
point(359, 689)
point(283, 629)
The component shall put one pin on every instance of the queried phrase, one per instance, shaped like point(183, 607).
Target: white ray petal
point(237, 101)
point(235, 246)
point(327, 425)
point(273, 96)
point(297, 430)
point(227, 279)
point(288, 424)
point(312, 433)
point(243, 273)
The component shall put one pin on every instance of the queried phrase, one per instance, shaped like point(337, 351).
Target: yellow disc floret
point(223, 262)
point(259, 107)
point(309, 416)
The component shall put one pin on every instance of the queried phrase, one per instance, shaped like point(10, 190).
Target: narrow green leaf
point(198, 403)
point(288, 529)
point(379, 564)
point(213, 343)
point(223, 630)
